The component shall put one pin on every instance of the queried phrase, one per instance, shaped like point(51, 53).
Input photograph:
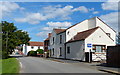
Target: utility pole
point(6, 40)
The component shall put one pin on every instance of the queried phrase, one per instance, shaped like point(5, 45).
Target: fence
point(113, 56)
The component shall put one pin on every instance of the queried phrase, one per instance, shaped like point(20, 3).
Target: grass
point(10, 66)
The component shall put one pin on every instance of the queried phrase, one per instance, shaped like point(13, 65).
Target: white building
point(33, 46)
point(78, 41)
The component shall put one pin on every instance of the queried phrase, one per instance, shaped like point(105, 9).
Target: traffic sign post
point(89, 45)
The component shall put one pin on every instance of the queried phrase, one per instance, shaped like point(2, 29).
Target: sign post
point(89, 45)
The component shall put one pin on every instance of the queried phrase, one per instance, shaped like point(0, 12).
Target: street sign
point(89, 45)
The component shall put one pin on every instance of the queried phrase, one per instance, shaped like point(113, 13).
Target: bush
point(4, 54)
point(32, 53)
point(40, 51)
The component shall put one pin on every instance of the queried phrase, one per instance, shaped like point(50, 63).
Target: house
point(33, 46)
point(46, 43)
point(85, 41)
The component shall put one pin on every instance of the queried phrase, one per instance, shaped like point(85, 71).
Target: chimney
point(49, 34)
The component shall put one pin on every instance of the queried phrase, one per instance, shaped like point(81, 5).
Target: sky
point(39, 18)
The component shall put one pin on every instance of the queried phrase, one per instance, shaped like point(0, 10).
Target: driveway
point(41, 65)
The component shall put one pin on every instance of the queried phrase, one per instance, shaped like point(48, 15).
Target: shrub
point(32, 53)
point(4, 54)
point(40, 51)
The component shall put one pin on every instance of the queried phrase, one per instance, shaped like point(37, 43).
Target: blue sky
point(39, 18)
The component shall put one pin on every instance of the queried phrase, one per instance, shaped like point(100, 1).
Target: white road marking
point(20, 64)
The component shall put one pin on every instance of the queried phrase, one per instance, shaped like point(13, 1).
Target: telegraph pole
point(6, 39)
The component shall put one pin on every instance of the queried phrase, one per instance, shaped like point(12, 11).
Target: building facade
point(85, 41)
point(33, 46)
point(46, 43)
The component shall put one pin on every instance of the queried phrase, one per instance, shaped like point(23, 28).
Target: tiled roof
point(59, 30)
point(83, 35)
point(47, 39)
point(36, 43)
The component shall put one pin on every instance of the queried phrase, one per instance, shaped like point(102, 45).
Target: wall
point(113, 55)
point(76, 50)
point(98, 38)
point(26, 48)
point(91, 23)
point(106, 29)
point(75, 29)
point(62, 45)
point(53, 45)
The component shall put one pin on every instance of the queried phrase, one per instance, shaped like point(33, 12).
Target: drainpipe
point(65, 45)
point(90, 56)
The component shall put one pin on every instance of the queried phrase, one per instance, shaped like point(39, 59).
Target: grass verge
point(10, 66)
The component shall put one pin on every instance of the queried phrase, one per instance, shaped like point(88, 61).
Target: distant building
point(33, 46)
point(85, 41)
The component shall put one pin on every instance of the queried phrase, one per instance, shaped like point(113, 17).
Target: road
point(41, 65)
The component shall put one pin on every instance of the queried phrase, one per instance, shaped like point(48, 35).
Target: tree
point(119, 38)
point(40, 51)
point(11, 37)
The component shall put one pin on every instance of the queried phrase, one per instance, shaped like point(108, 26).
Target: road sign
point(89, 45)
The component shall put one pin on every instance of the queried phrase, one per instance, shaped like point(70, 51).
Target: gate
point(99, 56)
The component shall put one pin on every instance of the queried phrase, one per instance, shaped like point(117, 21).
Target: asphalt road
point(40, 65)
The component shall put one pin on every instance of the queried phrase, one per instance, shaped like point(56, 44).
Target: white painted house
point(85, 41)
point(33, 46)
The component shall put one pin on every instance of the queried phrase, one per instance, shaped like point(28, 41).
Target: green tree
point(11, 37)
point(119, 38)
point(40, 51)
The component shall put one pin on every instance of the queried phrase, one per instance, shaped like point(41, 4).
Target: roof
point(83, 35)
point(47, 39)
point(31, 43)
point(59, 30)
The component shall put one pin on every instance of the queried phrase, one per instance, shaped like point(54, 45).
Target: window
point(53, 51)
point(39, 47)
point(68, 33)
point(60, 39)
point(60, 51)
point(53, 40)
point(68, 50)
point(108, 34)
point(32, 47)
point(99, 48)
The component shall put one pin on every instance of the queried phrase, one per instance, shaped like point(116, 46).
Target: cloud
point(32, 18)
point(51, 25)
point(57, 12)
point(52, 12)
point(91, 9)
point(42, 34)
point(111, 19)
point(9, 7)
point(59, 24)
point(47, 28)
point(110, 5)
point(81, 9)
point(95, 12)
